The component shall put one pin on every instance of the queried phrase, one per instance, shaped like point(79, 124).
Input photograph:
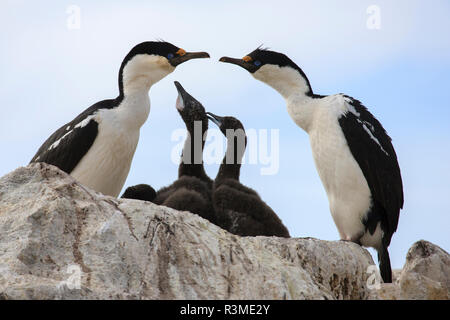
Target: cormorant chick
point(140, 192)
point(238, 208)
point(192, 191)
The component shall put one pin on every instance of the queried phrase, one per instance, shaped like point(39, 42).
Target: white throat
point(286, 80)
point(143, 71)
point(133, 111)
point(294, 88)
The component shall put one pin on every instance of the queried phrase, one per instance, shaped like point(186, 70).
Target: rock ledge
point(60, 240)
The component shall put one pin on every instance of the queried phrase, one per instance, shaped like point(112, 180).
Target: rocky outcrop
point(60, 240)
point(425, 275)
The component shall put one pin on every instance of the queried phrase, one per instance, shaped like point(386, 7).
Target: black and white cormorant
point(97, 147)
point(352, 152)
point(238, 208)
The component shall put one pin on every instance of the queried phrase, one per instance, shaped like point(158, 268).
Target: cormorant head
point(149, 62)
point(190, 109)
point(234, 131)
point(225, 123)
point(274, 69)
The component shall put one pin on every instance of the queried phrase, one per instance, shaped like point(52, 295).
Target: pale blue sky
point(49, 74)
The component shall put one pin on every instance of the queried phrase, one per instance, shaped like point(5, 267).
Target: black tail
point(385, 265)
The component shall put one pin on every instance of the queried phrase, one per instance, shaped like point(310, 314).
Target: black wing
point(372, 148)
point(74, 141)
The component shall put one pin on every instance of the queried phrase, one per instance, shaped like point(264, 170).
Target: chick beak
point(214, 118)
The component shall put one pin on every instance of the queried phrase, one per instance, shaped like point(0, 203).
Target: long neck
point(231, 163)
point(141, 72)
point(192, 158)
point(138, 83)
point(286, 80)
point(133, 109)
point(295, 88)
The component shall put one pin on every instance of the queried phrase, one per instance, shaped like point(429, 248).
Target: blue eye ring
point(257, 63)
point(170, 56)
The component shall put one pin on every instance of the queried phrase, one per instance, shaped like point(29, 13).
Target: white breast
point(105, 166)
point(346, 187)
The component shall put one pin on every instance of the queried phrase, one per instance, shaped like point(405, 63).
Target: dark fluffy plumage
point(239, 209)
point(140, 192)
point(188, 193)
point(192, 190)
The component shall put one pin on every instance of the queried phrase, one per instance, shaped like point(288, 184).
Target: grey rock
point(425, 275)
point(61, 240)
point(429, 260)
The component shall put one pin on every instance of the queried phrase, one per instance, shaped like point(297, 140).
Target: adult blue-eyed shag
point(97, 147)
point(353, 153)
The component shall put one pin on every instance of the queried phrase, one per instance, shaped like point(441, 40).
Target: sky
point(394, 56)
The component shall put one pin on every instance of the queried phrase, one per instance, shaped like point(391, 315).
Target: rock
point(60, 240)
point(386, 291)
point(418, 287)
point(430, 261)
point(425, 275)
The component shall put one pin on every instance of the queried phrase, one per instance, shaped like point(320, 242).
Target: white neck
point(134, 109)
point(286, 80)
point(302, 109)
point(291, 84)
point(143, 71)
point(136, 85)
